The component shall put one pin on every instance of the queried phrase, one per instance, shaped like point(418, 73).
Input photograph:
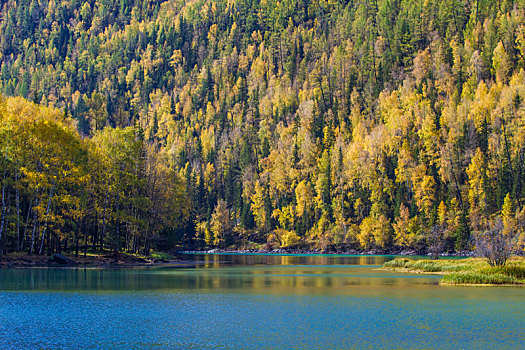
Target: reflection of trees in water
point(218, 260)
point(241, 273)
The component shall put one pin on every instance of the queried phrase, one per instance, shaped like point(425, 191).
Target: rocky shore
point(330, 252)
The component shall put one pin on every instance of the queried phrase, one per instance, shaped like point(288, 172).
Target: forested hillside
point(331, 125)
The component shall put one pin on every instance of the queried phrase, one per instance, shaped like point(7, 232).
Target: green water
point(254, 302)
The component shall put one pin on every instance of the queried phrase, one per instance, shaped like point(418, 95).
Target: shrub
point(495, 244)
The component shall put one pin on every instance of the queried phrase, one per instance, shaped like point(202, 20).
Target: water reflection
point(253, 302)
point(218, 260)
point(240, 273)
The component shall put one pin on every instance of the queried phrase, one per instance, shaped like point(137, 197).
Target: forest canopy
point(60, 191)
point(379, 125)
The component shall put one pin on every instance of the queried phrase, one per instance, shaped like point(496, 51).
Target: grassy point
point(465, 272)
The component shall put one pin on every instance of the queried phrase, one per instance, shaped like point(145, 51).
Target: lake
point(233, 301)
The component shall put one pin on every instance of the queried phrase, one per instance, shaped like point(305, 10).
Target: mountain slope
point(364, 124)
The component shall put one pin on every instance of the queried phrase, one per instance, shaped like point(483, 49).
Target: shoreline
point(117, 261)
point(407, 253)
point(102, 260)
point(122, 260)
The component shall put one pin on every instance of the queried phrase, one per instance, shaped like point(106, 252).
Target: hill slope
point(364, 124)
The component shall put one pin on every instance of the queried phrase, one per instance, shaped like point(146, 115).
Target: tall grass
point(432, 265)
point(465, 271)
point(474, 277)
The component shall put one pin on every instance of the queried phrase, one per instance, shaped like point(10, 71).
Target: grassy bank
point(471, 271)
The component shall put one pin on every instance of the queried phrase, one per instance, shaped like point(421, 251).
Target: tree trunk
point(45, 223)
point(18, 243)
point(2, 219)
point(103, 234)
point(96, 233)
point(51, 240)
point(26, 226)
point(117, 229)
point(31, 249)
point(85, 241)
point(77, 239)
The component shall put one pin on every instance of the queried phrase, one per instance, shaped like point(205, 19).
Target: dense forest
point(374, 125)
point(61, 191)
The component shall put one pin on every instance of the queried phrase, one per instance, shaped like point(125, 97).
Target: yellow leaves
point(374, 231)
point(212, 32)
point(176, 59)
point(401, 227)
point(382, 232)
point(404, 111)
point(482, 105)
point(67, 199)
point(476, 172)
point(209, 176)
point(406, 229)
point(203, 231)
point(442, 213)
point(258, 205)
point(428, 133)
point(506, 209)
point(285, 216)
point(233, 30)
point(220, 223)
point(405, 164)
point(422, 65)
point(501, 63)
point(284, 238)
point(509, 216)
point(304, 196)
point(278, 163)
point(289, 239)
point(392, 112)
point(48, 148)
point(424, 189)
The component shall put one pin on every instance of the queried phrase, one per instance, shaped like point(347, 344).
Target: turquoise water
point(254, 302)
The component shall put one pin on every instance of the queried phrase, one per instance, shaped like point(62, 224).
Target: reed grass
point(470, 271)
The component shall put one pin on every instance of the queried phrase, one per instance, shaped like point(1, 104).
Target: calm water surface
point(254, 302)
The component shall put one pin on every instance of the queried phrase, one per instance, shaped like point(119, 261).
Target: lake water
point(254, 302)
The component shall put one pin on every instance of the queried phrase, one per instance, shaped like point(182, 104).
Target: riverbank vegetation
point(385, 126)
point(468, 271)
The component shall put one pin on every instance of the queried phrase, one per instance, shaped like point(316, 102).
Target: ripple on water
point(331, 306)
